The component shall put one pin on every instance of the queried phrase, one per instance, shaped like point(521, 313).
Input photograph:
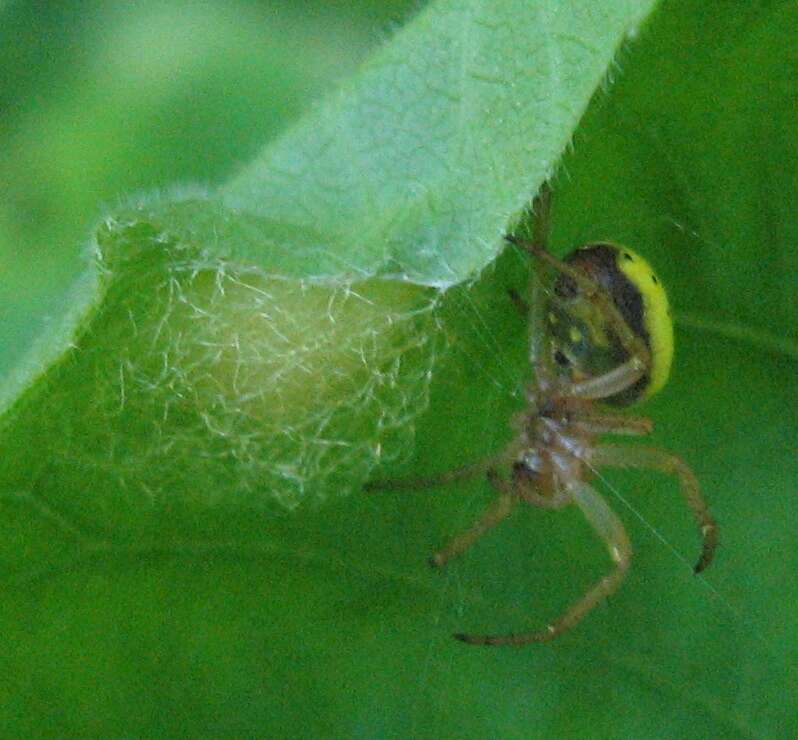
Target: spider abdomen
point(583, 341)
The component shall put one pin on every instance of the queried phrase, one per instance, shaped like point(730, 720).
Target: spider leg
point(541, 225)
point(499, 510)
point(482, 467)
point(413, 484)
point(609, 527)
point(608, 384)
point(593, 423)
point(653, 458)
point(541, 207)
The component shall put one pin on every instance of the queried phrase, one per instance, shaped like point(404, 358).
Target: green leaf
point(241, 337)
point(204, 609)
point(416, 167)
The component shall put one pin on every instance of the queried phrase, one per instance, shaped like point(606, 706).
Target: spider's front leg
point(609, 527)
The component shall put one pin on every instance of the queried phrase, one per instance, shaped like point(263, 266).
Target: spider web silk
point(221, 383)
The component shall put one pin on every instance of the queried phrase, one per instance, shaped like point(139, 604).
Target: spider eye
point(561, 359)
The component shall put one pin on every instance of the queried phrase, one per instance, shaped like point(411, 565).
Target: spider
point(602, 337)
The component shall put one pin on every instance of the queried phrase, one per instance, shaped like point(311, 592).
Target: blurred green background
point(691, 154)
point(99, 100)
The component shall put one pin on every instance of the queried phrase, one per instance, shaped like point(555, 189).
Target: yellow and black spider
point(602, 337)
